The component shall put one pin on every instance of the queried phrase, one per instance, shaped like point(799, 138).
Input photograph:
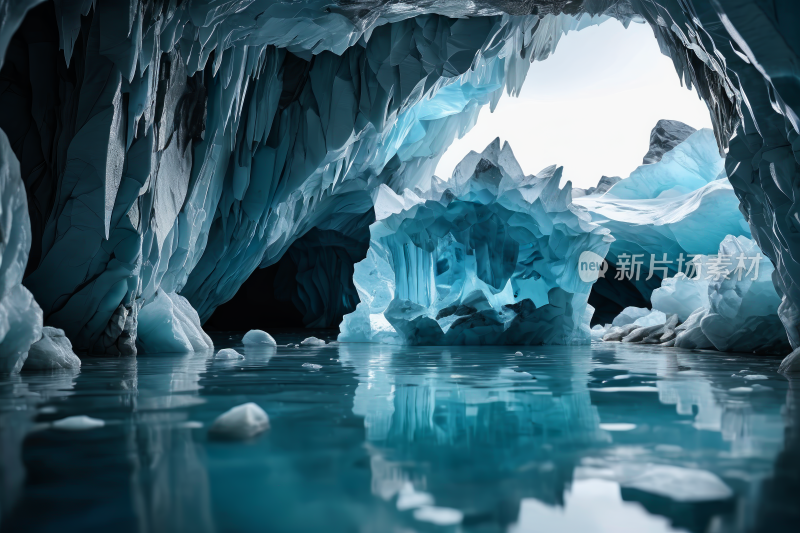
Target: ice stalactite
point(173, 149)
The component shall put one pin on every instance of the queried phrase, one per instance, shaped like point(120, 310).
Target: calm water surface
point(386, 439)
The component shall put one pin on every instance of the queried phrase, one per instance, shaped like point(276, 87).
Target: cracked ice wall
point(175, 148)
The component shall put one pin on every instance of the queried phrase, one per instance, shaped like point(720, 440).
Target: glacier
point(659, 217)
point(489, 257)
point(172, 148)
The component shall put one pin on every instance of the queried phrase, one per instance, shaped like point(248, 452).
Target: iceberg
point(489, 257)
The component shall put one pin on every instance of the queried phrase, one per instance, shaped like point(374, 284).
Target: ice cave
point(238, 291)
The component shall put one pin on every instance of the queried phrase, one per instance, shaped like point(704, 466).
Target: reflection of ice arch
point(421, 424)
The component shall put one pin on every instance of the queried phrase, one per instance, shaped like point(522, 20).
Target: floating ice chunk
point(653, 318)
point(51, 352)
point(621, 426)
point(754, 377)
point(629, 315)
point(191, 424)
point(78, 423)
point(741, 390)
point(313, 341)
point(518, 354)
point(240, 422)
point(408, 498)
point(680, 484)
point(257, 337)
point(312, 366)
point(228, 353)
point(169, 324)
point(441, 516)
point(510, 373)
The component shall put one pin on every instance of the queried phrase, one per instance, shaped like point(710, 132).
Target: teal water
point(387, 439)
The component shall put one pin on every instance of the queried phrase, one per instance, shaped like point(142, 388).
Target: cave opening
point(591, 106)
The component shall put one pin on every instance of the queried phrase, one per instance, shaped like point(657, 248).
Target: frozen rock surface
point(602, 187)
point(78, 423)
point(258, 337)
point(51, 352)
point(241, 422)
point(666, 135)
point(490, 257)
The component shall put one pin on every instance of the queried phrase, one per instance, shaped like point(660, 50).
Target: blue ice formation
point(742, 310)
point(661, 212)
point(685, 167)
point(177, 146)
point(208, 138)
point(20, 315)
point(52, 352)
point(168, 323)
point(490, 257)
point(728, 303)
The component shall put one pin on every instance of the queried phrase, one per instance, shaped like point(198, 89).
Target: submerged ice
point(490, 257)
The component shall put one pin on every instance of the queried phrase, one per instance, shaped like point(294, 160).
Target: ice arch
point(175, 148)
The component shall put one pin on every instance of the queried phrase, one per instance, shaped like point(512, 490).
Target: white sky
point(589, 107)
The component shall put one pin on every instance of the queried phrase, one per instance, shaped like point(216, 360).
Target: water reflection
point(384, 438)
